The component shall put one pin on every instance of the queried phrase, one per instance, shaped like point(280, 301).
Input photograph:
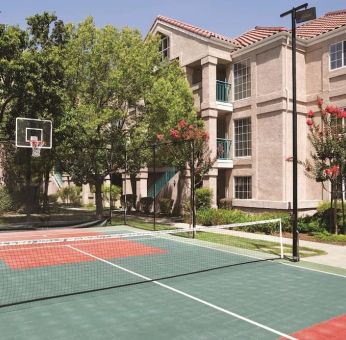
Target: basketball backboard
point(29, 129)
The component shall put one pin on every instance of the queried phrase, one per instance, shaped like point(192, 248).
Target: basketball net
point(36, 146)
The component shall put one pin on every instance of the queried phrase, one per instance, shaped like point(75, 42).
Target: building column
point(127, 186)
point(142, 184)
point(86, 194)
point(208, 82)
point(210, 180)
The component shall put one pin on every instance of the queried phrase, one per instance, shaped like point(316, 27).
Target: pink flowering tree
point(328, 164)
point(180, 141)
point(186, 146)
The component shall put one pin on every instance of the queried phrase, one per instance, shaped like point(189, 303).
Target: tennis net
point(41, 268)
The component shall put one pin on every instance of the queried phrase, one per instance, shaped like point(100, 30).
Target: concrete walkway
point(335, 257)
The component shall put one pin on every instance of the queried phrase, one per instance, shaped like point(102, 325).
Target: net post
point(193, 192)
point(281, 240)
point(154, 166)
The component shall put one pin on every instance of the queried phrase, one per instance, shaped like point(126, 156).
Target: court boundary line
point(180, 292)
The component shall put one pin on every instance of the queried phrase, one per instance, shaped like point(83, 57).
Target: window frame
point(165, 52)
point(248, 185)
point(343, 55)
point(247, 151)
point(245, 85)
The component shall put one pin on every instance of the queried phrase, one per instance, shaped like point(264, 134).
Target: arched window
point(164, 46)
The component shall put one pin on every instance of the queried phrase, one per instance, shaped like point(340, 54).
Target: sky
point(228, 17)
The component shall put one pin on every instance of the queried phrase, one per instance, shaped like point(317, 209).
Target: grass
point(252, 244)
point(149, 225)
point(230, 240)
point(140, 224)
point(330, 238)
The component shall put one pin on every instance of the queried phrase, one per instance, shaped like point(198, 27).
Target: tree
point(329, 152)
point(186, 145)
point(31, 86)
point(109, 72)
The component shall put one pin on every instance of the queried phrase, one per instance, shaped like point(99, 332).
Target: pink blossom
point(309, 122)
point(311, 113)
point(174, 133)
point(330, 109)
point(319, 101)
point(182, 123)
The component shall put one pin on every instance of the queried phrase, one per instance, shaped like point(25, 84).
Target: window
point(242, 79)
point(243, 188)
point(164, 47)
point(242, 137)
point(337, 55)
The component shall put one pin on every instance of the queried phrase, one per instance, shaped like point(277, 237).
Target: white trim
point(343, 46)
point(189, 296)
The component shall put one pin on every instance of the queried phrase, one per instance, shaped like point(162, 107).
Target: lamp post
point(298, 15)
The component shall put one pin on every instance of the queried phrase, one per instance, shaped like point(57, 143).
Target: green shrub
point(210, 217)
point(166, 205)
point(203, 198)
point(6, 200)
point(70, 194)
point(146, 204)
point(225, 203)
point(115, 192)
point(131, 200)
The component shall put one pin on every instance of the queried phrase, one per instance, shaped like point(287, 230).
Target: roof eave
point(260, 43)
point(212, 39)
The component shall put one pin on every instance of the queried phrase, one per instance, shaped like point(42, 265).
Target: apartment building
point(242, 89)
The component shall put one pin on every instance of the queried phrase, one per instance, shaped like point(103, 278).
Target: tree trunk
point(333, 210)
point(45, 190)
point(98, 196)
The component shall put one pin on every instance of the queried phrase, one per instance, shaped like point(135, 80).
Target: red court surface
point(333, 329)
point(26, 256)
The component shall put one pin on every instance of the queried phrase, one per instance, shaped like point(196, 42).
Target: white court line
point(313, 270)
point(187, 295)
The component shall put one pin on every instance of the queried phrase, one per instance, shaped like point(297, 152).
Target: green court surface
point(259, 300)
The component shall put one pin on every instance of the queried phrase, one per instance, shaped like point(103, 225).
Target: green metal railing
point(223, 91)
point(224, 148)
point(161, 182)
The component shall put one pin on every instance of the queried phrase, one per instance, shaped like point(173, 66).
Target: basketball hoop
point(36, 146)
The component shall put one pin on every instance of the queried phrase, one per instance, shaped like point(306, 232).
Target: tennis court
point(122, 283)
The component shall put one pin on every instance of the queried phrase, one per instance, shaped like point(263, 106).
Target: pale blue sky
point(228, 17)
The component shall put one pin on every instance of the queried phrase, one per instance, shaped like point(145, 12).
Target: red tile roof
point(329, 22)
point(193, 29)
point(257, 34)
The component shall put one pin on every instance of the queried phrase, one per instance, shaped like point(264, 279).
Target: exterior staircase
point(161, 182)
point(57, 177)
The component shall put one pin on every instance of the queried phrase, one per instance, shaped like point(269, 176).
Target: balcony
point(224, 153)
point(224, 150)
point(224, 96)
